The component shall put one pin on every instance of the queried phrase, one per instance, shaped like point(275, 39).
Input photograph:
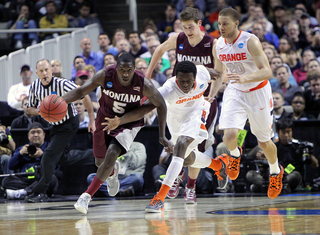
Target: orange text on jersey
point(233, 57)
point(188, 99)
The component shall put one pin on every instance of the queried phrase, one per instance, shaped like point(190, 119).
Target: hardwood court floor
point(220, 214)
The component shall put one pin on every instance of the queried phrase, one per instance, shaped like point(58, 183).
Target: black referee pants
point(60, 136)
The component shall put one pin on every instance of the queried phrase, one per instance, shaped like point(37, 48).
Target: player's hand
point(168, 146)
point(214, 74)
point(209, 99)
point(111, 124)
point(91, 127)
point(236, 78)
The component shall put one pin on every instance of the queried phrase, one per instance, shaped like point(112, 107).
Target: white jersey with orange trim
point(237, 58)
point(179, 102)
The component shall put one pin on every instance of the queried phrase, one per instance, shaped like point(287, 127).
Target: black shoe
point(128, 192)
point(36, 197)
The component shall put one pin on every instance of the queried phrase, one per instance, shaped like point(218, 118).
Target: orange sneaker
point(222, 173)
point(233, 168)
point(275, 184)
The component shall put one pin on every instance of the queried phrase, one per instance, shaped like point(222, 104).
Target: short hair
point(280, 92)
point(109, 54)
point(85, 3)
point(284, 124)
point(291, 49)
point(233, 13)
point(313, 75)
point(77, 57)
point(43, 59)
point(298, 94)
point(125, 57)
point(282, 66)
point(89, 66)
point(190, 13)
point(134, 32)
point(172, 5)
point(186, 67)
point(314, 59)
point(277, 57)
point(104, 33)
point(138, 60)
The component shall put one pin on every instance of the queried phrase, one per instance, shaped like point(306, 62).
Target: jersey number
point(236, 67)
point(118, 107)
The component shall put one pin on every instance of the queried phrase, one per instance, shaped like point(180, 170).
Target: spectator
point(149, 28)
point(89, 56)
point(109, 59)
point(71, 9)
point(279, 20)
point(123, 45)
point(24, 22)
point(7, 146)
point(165, 27)
point(81, 77)
point(253, 18)
point(299, 40)
point(298, 106)
point(84, 17)
point(276, 61)
point(312, 94)
point(152, 46)
point(304, 23)
point(92, 71)
point(268, 35)
point(270, 52)
point(260, 32)
point(18, 91)
point(284, 46)
point(315, 41)
point(177, 27)
point(26, 159)
point(172, 57)
point(182, 4)
point(279, 112)
point(118, 34)
point(300, 10)
point(40, 7)
point(26, 119)
point(78, 64)
point(142, 66)
point(6, 110)
point(52, 20)
point(293, 59)
point(104, 43)
point(135, 42)
point(284, 85)
point(83, 118)
point(168, 73)
point(301, 74)
point(130, 176)
point(14, 8)
point(56, 68)
point(157, 75)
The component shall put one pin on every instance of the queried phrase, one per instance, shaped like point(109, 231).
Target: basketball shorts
point(190, 124)
point(257, 106)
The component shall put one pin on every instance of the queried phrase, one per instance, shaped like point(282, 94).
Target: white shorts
point(257, 106)
point(191, 125)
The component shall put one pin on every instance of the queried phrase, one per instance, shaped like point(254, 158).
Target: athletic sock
point(235, 153)
point(164, 189)
point(94, 186)
point(274, 168)
point(191, 182)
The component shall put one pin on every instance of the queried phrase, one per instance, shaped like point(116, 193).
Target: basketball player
point(123, 90)
point(191, 45)
point(248, 95)
point(62, 132)
point(187, 114)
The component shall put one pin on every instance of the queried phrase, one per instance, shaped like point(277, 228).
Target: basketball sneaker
point(174, 190)
point(156, 205)
point(190, 195)
point(83, 202)
point(16, 194)
point(113, 182)
point(275, 184)
point(233, 168)
point(222, 174)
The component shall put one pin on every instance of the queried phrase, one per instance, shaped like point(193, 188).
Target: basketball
point(53, 108)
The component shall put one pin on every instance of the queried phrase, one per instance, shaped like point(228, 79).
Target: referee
point(62, 132)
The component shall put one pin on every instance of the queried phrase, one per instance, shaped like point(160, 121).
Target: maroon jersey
point(117, 100)
point(202, 52)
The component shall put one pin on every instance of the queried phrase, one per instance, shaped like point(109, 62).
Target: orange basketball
point(53, 108)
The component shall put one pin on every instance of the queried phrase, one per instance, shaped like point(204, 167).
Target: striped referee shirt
point(57, 86)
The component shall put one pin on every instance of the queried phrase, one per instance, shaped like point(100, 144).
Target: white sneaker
point(83, 202)
point(16, 194)
point(113, 182)
point(18, 45)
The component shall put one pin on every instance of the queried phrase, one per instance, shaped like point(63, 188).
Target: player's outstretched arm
point(90, 85)
point(88, 104)
point(170, 43)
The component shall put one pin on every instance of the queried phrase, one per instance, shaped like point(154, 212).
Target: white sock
point(173, 170)
point(235, 153)
point(274, 168)
point(201, 160)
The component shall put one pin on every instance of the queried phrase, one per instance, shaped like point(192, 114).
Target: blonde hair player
point(248, 95)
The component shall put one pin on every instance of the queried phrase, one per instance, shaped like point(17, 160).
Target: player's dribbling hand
point(111, 124)
point(236, 78)
point(168, 146)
